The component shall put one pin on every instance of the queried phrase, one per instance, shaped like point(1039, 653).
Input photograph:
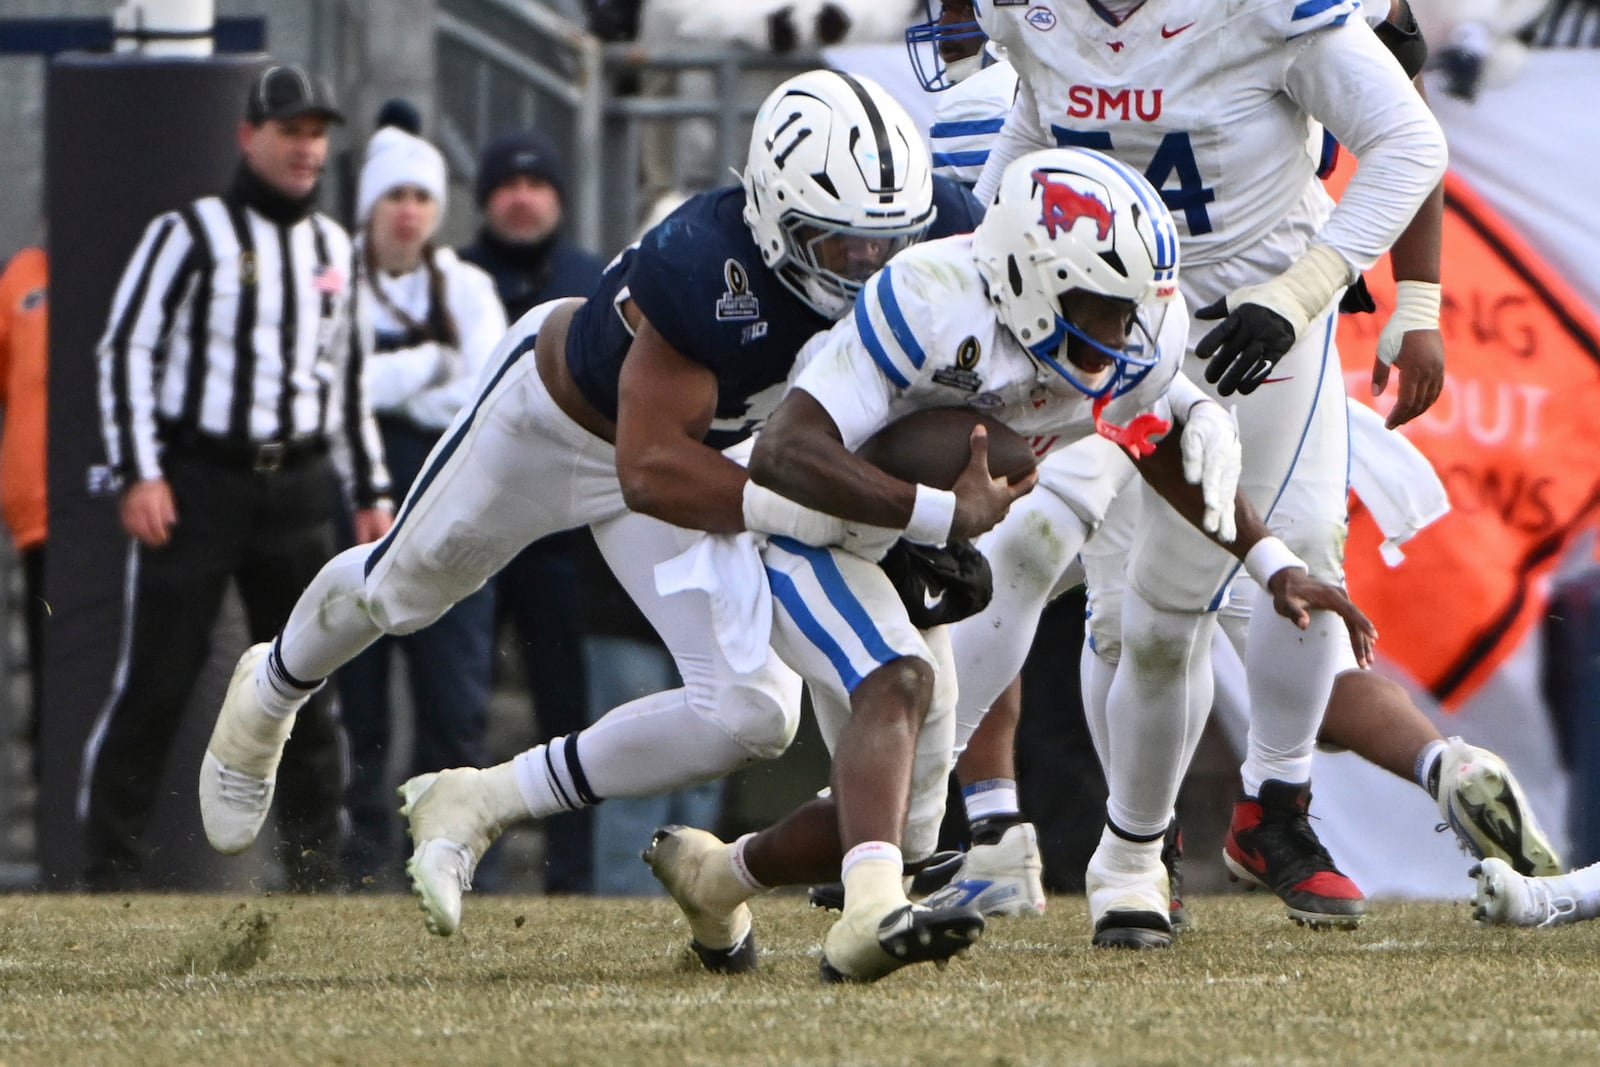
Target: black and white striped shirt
point(233, 326)
point(1566, 24)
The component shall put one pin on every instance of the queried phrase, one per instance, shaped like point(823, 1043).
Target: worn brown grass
point(167, 980)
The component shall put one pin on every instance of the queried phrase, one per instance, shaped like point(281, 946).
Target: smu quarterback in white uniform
point(1059, 317)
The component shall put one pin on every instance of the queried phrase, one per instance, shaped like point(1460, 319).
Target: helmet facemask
point(826, 264)
point(946, 48)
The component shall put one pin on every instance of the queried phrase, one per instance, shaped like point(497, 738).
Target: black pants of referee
point(269, 531)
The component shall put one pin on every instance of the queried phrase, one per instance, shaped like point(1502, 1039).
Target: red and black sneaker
point(1172, 860)
point(1271, 844)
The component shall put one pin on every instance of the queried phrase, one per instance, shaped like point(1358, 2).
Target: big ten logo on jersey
point(961, 374)
point(737, 303)
point(1098, 102)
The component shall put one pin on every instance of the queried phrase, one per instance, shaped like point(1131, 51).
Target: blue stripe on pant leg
point(834, 587)
point(784, 589)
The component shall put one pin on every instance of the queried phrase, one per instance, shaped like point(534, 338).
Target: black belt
point(258, 457)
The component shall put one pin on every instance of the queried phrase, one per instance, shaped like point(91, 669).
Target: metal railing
point(505, 65)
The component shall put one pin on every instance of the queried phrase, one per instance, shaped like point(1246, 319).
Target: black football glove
point(1261, 322)
point(937, 585)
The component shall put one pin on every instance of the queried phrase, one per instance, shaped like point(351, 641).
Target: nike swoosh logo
point(1173, 33)
point(1285, 378)
point(932, 602)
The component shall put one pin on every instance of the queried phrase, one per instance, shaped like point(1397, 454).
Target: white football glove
point(1211, 460)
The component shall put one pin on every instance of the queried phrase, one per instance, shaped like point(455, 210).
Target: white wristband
point(1416, 307)
point(768, 512)
point(1267, 557)
point(932, 516)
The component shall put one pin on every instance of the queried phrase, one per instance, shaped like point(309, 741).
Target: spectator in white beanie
point(435, 319)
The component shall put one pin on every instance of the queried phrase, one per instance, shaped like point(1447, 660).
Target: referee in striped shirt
point(230, 377)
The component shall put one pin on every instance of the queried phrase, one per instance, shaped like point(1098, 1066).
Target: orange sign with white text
point(1516, 439)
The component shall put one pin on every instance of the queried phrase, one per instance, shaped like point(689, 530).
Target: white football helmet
point(837, 181)
point(1071, 218)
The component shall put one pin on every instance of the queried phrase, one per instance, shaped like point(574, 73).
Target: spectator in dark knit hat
point(519, 188)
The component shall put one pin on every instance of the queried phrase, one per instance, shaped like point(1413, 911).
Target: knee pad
point(1029, 550)
point(1105, 623)
point(759, 714)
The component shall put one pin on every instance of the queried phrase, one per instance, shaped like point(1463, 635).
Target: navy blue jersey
point(699, 279)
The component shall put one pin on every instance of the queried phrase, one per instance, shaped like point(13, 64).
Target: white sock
point(550, 779)
point(990, 797)
point(278, 693)
point(1425, 763)
point(872, 873)
point(741, 870)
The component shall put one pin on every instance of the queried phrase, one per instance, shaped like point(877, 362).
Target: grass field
point(355, 980)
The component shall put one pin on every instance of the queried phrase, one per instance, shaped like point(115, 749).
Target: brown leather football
point(931, 447)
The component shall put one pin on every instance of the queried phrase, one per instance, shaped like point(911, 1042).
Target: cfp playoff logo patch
point(737, 303)
point(962, 374)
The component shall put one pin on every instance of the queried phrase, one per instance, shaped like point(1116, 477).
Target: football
point(931, 447)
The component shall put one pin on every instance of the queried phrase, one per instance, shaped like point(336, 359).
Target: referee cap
point(287, 92)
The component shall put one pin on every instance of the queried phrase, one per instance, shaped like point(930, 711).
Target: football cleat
point(1481, 801)
point(240, 768)
point(451, 823)
point(866, 945)
point(1005, 878)
point(1504, 897)
point(686, 861)
point(1271, 844)
point(1129, 908)
point(1172, 860)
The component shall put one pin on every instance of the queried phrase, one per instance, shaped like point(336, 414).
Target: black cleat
point(740, 959)
point(1132, 929)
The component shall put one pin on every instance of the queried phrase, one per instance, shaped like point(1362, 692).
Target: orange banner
point(1515, 439)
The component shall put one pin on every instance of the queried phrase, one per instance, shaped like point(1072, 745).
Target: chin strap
point(1136, 436)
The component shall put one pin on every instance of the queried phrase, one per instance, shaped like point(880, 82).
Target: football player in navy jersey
point(610, 413)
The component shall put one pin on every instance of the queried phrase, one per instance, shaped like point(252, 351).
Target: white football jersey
point(924, 334)
point(1215, 103)
point(966, 119)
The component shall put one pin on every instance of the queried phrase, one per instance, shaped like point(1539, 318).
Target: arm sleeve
point(133, 346)
point(1021, 134)
point(1347, 80)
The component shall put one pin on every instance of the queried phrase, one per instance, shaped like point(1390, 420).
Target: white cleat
point(1129, 907)
point(1005, 878)
point(452, 825)
point(240, 768)
point(1503, 897)
point(693, 866)
point(866, 944)
point(1481, 801)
